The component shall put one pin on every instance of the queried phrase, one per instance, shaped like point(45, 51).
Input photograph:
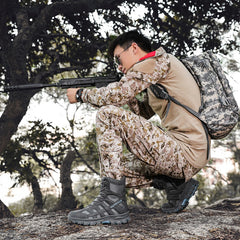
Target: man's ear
point(135, 48)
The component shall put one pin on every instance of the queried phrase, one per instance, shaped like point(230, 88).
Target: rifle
point(67, 83)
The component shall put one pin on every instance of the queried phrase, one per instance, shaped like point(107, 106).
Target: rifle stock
point(67, 83)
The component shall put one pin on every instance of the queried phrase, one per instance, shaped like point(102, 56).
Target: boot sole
point(118, 219)
point(189, 190)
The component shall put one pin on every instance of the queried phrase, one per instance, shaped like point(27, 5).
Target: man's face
point(125, 58)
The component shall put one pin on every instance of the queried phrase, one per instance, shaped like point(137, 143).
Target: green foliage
point(50, 202)
point(234, 178)
point(25, 206)
point(216, 193)
point(201, 194)
point(90, 149)
point(86, 188)
point(208, 194)
point(153, 198)
point(44, 136)
point(66, 36)
point(87, 153)
point(39, 149)
point(41, 143)
point(182, 26)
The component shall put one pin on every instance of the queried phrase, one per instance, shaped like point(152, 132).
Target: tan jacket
point(179, 123)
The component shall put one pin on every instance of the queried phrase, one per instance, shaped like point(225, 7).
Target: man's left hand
point(71, 94)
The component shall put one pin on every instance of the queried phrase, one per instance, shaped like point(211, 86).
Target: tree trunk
point(9, 121)
point(67, 200)
point(14, 112)
point(37, 194)
point(4, 211)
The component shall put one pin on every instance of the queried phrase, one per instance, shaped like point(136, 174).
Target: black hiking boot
point(178, 192)
point(109, 207)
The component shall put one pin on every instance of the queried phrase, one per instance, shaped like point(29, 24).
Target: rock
point(220, 221)
point(229, 204)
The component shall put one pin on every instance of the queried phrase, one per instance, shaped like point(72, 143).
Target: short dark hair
point(127, 38)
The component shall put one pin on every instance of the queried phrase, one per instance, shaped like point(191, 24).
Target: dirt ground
point(221, 221)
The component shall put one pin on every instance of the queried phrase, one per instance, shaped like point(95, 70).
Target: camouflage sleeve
point(134, 82)
point(117, 93)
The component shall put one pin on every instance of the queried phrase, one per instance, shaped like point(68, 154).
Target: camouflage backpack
point(219, 110)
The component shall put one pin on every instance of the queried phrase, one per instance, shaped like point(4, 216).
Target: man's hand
point(71, 94)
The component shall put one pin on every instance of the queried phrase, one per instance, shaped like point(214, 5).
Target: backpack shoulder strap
point(196, 114)
point(161, 92)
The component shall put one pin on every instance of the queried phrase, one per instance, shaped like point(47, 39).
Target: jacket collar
point(156, 53)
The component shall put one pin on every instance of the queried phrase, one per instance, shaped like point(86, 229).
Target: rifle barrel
point(28, 87)
point(67, 83)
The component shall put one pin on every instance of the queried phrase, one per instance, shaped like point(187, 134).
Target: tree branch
point(82, 159)
point(219, 174)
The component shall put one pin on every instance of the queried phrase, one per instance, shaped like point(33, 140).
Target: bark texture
point(67, 200)
point(4, 211)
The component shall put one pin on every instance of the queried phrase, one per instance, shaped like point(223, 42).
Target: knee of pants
point(106, 112)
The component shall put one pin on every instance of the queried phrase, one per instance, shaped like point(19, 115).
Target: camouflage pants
point(152, 150)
